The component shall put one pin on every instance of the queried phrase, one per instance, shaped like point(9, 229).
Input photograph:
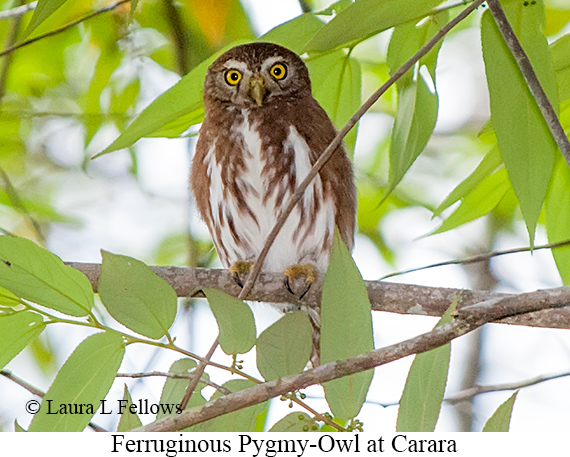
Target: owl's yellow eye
point(233, 77)
point(278, 71)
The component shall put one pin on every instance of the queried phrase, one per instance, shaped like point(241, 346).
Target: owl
point(262, 132)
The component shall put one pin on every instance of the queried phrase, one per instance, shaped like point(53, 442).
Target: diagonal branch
point(332, 147)
point(531, 79)
point(467, 320)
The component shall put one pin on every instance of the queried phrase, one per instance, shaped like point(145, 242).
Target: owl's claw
point(300, 278)
point(240, 270)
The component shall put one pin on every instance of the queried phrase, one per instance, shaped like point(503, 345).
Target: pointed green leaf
point(423, 393)
point(560, 51)
point(501, 418)
point(285, 347)
point(16, 331)
point(336, 82)
point(488, 165)
point(417, 100)
point(346, 330)
point(365, 18)
point(183, 100)
point(37, 275)
point(235, 321)
point(558, 218)
point(44, 9)
point(525, 142)
point(18, 427)
point(129, 419)
point(135, 296)
point(296, 422)
point(84, 379)
point(482, 200)
point(296, 33)
point(243, 420)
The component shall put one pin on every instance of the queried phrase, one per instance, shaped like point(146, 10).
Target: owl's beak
point(257, 89)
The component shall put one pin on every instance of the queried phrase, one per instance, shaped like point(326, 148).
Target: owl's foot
point(300, 278)
point(240, 270)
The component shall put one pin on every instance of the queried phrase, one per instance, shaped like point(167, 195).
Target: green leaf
point(184, 99)
point(44, 9)
point(174, 389)
point(346, 330)
point(525, 142)
point(365, 18)
point(129, 419)
point(235, 321)
point(37, 275)
point(417, 100)
point(296, 33)
point(16, 331)
point(84, 379)
point(285, 347)
point(135, 296)
point(423, 393)
point(243, 420)
point(479, 202)
point(558, 218)
point(336, 81)
point(488, 165)
point(560, 51)
point(501, 418)
point(296, 422)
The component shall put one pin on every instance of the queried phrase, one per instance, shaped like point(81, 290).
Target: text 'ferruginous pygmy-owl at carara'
point(262, 132)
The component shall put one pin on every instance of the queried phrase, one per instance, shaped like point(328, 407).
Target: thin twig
point(18, 11)
point(197, 375)
point(531, 79)
point(13, 31)
point(467, 394)
point(64, 27)
point(38, 393)
point(466, 321)
point(332, 147)
point(479, 258)
point(166, 374)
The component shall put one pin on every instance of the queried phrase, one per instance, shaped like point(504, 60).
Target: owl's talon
point(300, 278)
point(240, 270)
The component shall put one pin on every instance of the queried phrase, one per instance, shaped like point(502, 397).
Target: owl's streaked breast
point(247, 196)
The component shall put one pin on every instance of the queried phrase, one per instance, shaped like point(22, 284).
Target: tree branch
point(466, 320)
point(479, 258)
point(18, 10)
point(384, 296)
point(531, 79)
point(467, 394)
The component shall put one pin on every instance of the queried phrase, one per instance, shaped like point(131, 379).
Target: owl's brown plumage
point(262, 132)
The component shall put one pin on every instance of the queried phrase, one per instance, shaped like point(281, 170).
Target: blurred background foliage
point(70, 93)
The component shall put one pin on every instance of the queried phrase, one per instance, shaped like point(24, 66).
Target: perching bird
point(262, 132)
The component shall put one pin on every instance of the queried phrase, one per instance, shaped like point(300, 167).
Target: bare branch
point(384, 296)
point(467, 394)
point(467, 320)
point(18, 11)
point(531, 79)
point(332, 147)
point(479, 258)
point(63, 28)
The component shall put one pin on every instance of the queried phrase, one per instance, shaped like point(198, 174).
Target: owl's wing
point(337, 174)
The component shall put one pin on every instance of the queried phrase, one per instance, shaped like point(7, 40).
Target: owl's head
point(255, 75)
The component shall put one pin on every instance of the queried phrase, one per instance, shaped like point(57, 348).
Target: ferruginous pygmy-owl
point(262, 132)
